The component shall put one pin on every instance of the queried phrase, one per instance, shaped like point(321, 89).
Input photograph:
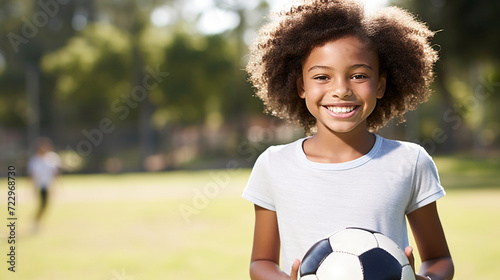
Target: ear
point(300, 87)
point(382, 81)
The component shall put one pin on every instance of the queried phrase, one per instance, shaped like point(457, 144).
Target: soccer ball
point(355, 254)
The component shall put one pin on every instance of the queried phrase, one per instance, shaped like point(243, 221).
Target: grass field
point(194, 225)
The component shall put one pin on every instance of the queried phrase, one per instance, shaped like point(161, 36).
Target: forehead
point(344, 50)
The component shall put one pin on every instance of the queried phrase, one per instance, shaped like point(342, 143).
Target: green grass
point(194, 225)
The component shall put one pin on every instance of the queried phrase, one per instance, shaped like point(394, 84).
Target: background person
point(43, 168)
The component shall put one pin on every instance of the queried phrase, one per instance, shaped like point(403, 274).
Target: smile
point(340, 109)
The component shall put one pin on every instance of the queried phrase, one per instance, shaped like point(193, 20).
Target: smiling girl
point(341, 75)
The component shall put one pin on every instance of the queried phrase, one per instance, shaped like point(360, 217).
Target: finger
point(409, 255)
point(295, 270)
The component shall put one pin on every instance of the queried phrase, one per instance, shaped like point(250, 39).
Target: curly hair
point(283, 45)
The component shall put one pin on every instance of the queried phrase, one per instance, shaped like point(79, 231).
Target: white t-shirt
point(43, 169)
point(312, 200)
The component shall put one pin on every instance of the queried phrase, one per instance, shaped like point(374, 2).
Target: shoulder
point(274, 159)
point(51, 159)
point(282, 152)
point(400, 147)
point(404, 151)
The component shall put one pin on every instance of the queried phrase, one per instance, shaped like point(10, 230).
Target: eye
point(321, 78)
point(359, 77)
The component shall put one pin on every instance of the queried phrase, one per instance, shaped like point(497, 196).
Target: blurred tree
point(200, 71)
point(468, 70)
point(92, 71)
point(66, 65)
point(92, 84)
point(133, 16)
point(207, 82)
point(237, 104)
point(30, 29)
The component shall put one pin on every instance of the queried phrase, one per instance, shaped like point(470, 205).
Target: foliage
point(194, 90)
point(468, 73)
point(66, 65)
point(91, 71)
point(94, 66)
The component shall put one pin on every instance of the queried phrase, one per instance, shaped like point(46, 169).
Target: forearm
point(438, 269)
point(266, 270)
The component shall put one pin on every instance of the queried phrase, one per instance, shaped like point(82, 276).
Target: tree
point(31, 29)
point(468, 74)
point(67, 65)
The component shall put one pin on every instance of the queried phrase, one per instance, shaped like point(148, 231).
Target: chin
point(343, 128)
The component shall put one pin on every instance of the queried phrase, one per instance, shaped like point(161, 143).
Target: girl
point(341, 75)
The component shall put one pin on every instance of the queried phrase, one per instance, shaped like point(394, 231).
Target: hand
point(411, 258)
point(295, 270)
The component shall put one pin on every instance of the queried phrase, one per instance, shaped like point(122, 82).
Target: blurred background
point(127, 85)
point(136, 95)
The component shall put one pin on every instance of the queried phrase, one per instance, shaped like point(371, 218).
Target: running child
point(43, 168)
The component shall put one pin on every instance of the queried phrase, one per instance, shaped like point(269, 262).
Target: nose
point(340, 89)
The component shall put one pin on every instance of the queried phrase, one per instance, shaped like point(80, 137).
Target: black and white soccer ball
point(355, 254)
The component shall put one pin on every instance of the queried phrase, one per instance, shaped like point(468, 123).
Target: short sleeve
point(426, 184)
point(258, 189)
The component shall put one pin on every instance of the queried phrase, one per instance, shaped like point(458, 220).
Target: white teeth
point(341, 110)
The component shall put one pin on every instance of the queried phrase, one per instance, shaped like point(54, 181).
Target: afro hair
point(282, 46)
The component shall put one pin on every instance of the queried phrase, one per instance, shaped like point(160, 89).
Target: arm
point(264, 264)
point(31, 179)
point(431, 242)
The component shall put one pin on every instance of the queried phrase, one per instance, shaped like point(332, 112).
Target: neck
point(332, 147)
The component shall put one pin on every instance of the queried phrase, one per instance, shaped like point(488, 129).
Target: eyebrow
point(319, 67)
point(330, 68)
point(361, 66)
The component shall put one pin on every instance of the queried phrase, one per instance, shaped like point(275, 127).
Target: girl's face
point(341, 84)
